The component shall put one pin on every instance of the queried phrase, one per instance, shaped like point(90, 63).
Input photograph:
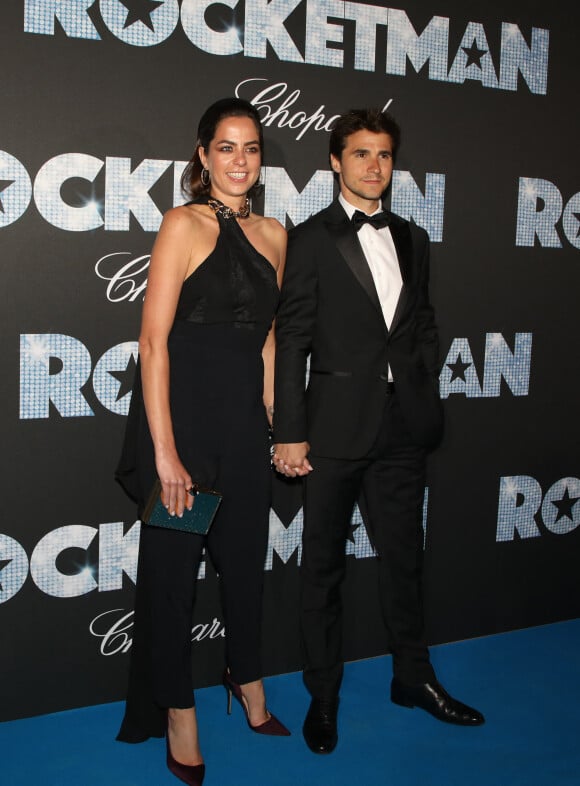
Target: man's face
point(365, 168)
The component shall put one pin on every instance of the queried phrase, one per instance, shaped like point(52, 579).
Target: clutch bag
point(197, 520)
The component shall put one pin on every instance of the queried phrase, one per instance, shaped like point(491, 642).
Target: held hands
point(175, 482)
point(290, 459)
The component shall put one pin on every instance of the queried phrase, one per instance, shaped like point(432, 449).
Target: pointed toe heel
point(192, 774)
point(272, 727)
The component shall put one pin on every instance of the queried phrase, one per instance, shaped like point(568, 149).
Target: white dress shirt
point(381, 256)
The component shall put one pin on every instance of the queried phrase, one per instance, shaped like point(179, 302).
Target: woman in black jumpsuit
point(199, 413)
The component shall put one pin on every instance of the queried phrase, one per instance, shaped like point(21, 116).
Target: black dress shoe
point(432, 697)
point(319, 728)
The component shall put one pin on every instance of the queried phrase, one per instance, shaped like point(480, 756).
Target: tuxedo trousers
point(389, 484)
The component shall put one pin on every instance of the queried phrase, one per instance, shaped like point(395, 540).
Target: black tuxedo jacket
point(330, 310)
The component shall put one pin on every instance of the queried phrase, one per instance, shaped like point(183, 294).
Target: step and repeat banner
point(100, 105)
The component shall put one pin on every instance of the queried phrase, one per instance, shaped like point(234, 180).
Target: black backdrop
point(100, 102)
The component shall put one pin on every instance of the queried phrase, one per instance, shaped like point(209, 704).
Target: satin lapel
point(344, 235)
point(401, 235)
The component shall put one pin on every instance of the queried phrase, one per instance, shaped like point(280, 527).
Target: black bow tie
point(378, 221)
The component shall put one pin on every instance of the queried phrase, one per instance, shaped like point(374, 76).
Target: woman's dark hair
point(191, 184)
point(363, 120)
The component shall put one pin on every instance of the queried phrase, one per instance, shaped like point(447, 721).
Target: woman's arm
point(295, 324)
point(169, 266)
point(279, 239)
point(269, 357)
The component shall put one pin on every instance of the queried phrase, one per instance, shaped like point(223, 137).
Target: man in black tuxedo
point(355, 299)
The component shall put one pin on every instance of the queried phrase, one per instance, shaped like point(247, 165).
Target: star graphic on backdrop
point(565, 505)
point(140, 11)
point(474, 54)
point(3, 563)
point(126, 378)
point(3, 186)
point(352, 529)
point(576, 216)
point(458, 369)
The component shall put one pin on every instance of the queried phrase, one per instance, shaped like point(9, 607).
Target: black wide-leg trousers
point(160, 673)
point(390, 484)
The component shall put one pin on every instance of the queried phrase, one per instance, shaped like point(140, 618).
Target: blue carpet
point(525, 682)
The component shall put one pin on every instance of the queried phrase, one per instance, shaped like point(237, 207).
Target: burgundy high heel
point(272, 726)
point(192, 774)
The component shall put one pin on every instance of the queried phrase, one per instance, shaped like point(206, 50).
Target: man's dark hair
point(354, 120)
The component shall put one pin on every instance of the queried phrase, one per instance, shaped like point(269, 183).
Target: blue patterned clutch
point(198, 520)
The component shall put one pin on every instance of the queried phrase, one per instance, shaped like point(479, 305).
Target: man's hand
point(290, 459)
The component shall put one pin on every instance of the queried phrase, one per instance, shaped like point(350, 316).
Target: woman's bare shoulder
point(184, 214)
point(271, 228)
point(184, 220)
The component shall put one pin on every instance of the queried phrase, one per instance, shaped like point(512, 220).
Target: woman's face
point(233, 158)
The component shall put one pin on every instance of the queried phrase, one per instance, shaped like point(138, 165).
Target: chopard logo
point(277, 106)
point(114, 629)
point(126, 274)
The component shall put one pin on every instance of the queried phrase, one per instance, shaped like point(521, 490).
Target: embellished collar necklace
point(227, 212)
